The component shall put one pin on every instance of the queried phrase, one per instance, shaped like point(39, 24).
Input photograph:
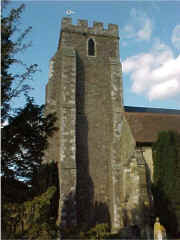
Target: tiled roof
point(146, 123)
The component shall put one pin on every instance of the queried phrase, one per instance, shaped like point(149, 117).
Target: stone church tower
point(102, 176)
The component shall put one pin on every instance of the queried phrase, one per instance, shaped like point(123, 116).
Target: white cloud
point(138, 28)
point(165, 89)
point(155, 74)
point(176, 37)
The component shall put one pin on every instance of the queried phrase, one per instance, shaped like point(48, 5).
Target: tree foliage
point(13, 84)
point(30, 219)
point(24, 140)
point(166, 188)
point(165, 161)
point(24, 137)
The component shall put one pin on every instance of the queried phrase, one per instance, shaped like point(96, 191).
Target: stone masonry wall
point(67, 138)
point(61, 98)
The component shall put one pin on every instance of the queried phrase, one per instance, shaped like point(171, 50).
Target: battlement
point(82, 27)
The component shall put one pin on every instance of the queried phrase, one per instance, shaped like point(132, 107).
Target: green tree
point(13, 84)
point(165, 161)
point(166, 178)
point(24, 138)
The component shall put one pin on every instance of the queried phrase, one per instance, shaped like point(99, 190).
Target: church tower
point(93, 147)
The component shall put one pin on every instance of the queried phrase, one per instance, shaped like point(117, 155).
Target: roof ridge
point(151, 110)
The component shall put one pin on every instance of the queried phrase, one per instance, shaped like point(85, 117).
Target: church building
point(102, 148)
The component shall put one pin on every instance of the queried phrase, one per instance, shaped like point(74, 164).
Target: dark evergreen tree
point(165, 161)
point(166, 178)
point(24, 137)
point(24, 140)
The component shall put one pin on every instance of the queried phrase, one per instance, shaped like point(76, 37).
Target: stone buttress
point(61, 98)
point(93, 147)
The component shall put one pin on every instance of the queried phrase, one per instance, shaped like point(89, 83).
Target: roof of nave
point(146, 123)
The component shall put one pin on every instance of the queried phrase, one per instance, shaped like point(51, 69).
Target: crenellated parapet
point(82, 27)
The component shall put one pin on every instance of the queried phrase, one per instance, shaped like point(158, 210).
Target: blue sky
point(149, 45)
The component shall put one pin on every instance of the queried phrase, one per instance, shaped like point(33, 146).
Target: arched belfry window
point(91, 47)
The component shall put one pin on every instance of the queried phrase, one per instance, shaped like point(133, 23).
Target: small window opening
point(91, 47)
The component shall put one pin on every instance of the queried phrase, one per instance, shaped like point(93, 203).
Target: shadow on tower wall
point(89, 212)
